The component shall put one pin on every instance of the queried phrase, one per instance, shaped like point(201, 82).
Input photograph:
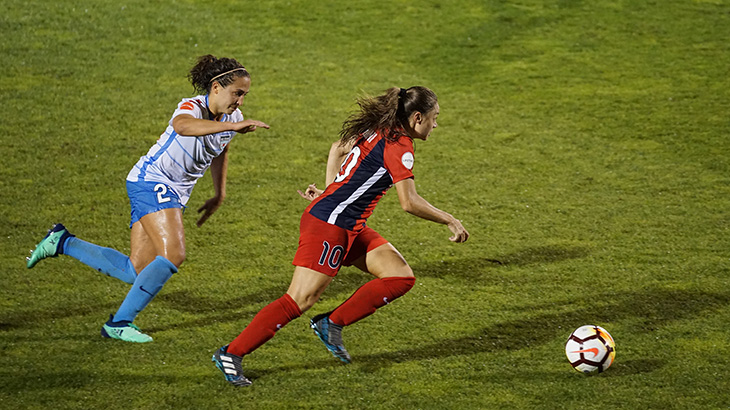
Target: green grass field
point(584, 145)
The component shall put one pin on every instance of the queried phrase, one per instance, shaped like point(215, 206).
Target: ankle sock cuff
point(65, 237)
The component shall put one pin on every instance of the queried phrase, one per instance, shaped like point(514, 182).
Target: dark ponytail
point(209, 68)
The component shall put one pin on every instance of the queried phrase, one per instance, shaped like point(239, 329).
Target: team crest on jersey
point(407, 160)
point(225, 140)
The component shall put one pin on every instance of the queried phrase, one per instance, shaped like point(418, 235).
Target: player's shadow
point(210, 310)
point(540, 254)
point(193, 302)
point(479, 269)
point(16, 320)
point(58, 378)
point(651, 308)
point(213, 310)
point(207, 309)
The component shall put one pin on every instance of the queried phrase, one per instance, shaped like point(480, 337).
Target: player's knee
point(177, 257)
point(308, 302)
point(403, 271)
point(304, 300)
point(138, 265)
point(399, 285)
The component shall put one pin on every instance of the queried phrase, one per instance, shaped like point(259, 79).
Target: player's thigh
point(165, 232)
point(383, 262)
point(307, 286)
point(142, 251)
point(322, 246)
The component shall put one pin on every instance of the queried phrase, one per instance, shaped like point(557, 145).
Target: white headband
point(227, 72)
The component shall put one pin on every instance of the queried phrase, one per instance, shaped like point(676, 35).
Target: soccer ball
point(590, 348)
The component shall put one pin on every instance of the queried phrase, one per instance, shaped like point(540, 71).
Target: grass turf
point(583, 144)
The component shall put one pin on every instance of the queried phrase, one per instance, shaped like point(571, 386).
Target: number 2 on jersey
point(347, 165)
point(161, 190)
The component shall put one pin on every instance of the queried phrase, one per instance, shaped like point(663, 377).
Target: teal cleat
point(230, 365)
point(50, 246)
point(331, 335)
point(123, 330)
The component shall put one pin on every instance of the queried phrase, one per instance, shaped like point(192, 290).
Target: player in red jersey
point(375, 152)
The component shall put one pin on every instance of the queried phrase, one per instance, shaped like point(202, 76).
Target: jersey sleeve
point(189, 107)
point(399, 159)
point(236, 116)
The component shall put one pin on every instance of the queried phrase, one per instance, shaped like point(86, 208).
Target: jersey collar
point(210, 114)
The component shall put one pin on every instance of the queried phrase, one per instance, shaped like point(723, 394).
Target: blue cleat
point(230, 365)
point(331, 335)
point(50, 246)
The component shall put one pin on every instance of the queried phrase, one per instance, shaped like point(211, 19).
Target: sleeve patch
point(187, 106)
point(407, 160)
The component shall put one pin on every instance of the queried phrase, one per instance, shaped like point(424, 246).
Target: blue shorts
point(148, 197)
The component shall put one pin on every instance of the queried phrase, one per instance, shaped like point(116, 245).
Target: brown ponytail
point(388, 113)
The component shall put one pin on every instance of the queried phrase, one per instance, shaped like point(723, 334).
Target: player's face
point(231, 97)
point(424, 124)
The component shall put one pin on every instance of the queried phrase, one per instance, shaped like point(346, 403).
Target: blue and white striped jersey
point(179, 160)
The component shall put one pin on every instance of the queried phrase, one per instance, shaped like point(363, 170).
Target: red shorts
point(325, 247)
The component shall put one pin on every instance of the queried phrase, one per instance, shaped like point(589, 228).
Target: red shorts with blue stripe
point(324, 247)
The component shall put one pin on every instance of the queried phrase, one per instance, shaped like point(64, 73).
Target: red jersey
point(373, 165)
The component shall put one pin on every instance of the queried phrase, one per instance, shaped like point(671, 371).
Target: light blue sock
point(105, 260)
point(145, 287)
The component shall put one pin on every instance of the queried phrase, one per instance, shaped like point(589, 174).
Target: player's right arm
point(337, 155)
point(188, 125)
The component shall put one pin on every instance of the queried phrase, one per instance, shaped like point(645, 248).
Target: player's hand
point(460, 234)
point(208, 209)
point(311, 192)
point(246, 126)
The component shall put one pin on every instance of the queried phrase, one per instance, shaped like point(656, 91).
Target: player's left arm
point(219, 172)
point(414, 204)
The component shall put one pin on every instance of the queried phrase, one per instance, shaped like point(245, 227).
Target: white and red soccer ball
point(590, 348)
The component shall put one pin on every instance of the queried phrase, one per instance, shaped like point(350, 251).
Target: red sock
point(371, 296)
point(264, 325)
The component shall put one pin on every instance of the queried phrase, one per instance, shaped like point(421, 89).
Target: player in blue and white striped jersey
point(180, 160)
point(159, 186)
